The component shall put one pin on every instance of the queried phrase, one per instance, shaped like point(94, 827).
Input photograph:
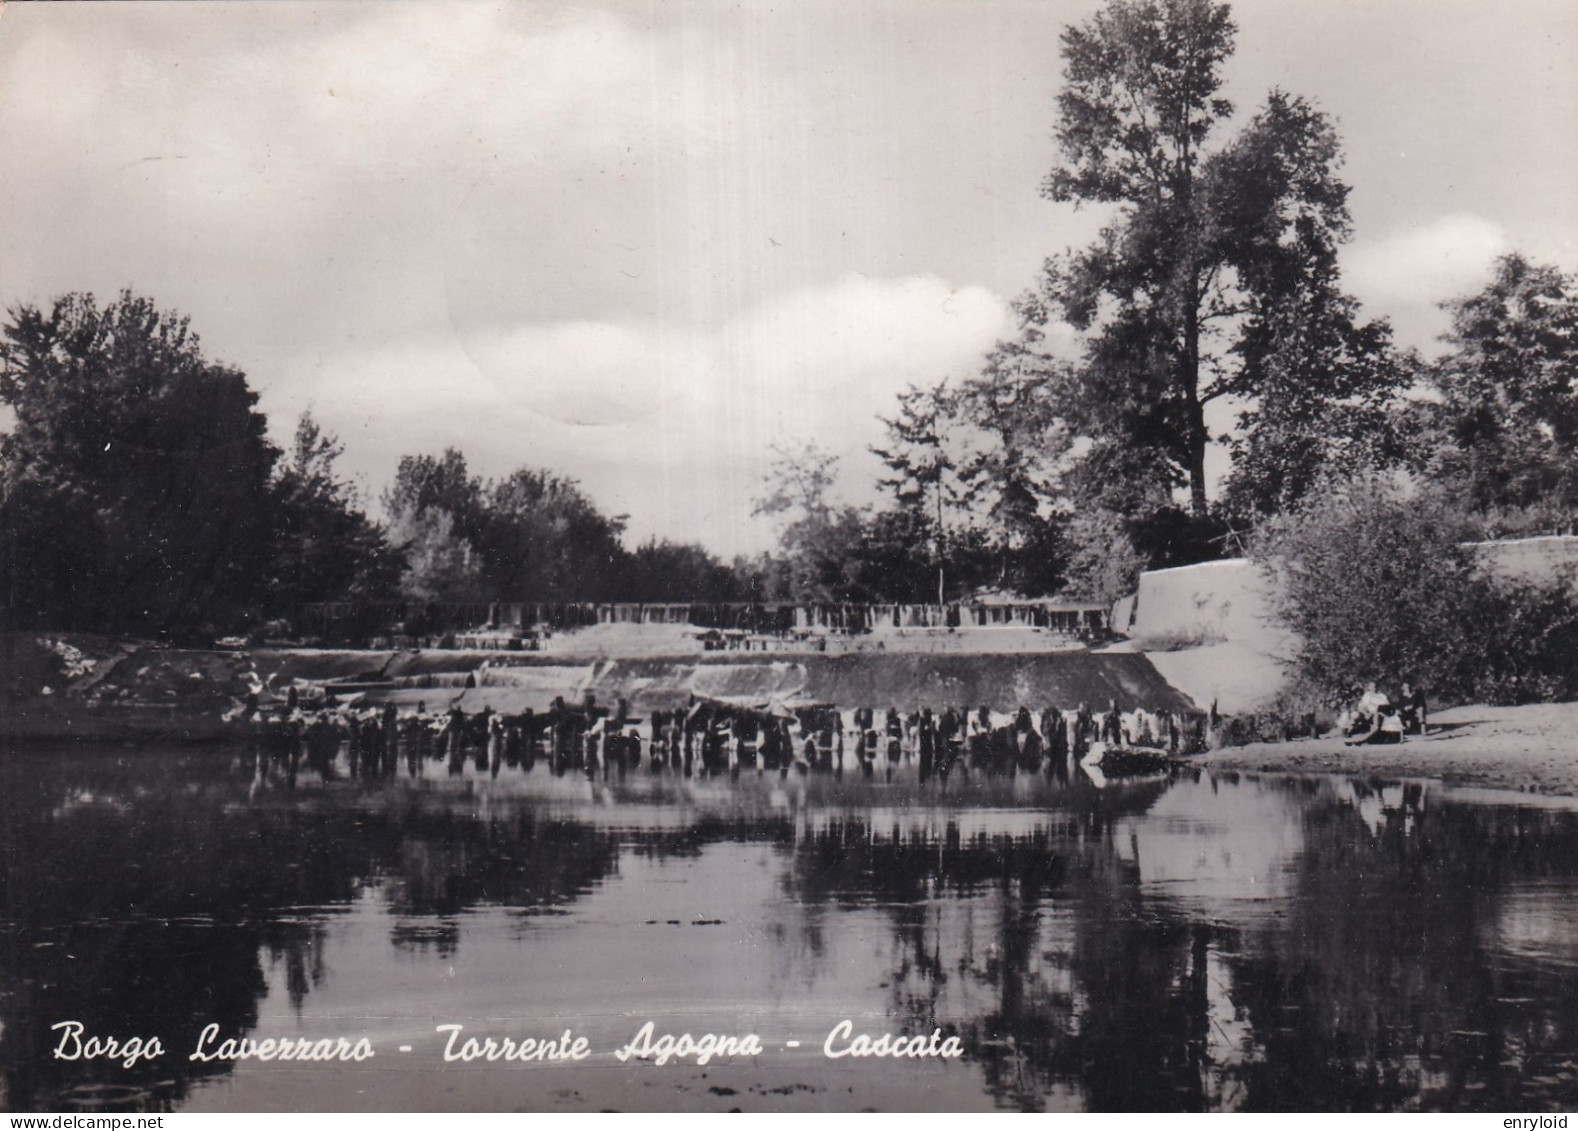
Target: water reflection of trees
point(1068, 975)
point(143, 897)
point(1034, 947)
point(1386, 988)
point(1060, 942)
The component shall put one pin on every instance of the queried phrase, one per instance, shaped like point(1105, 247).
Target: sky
point(645, 244)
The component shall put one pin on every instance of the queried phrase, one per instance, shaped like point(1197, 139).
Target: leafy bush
point(1530, 646)
point(1379, 581)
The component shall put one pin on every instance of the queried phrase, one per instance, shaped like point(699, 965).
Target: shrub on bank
point(1530, 651)
point(1377, 579)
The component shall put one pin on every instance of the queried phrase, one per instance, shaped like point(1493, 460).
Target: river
point(1203, 941)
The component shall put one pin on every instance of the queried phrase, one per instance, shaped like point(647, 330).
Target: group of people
point(711, 738)
point(1371, 716)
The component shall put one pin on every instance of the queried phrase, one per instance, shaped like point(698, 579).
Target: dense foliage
point(531, 536)
point(136, 478)
point(323, 546)
point(139, 494)
point(139, 491)
point(1505, 432)
point(1382, 582)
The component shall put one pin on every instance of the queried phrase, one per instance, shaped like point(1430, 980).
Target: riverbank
point(1532, 748)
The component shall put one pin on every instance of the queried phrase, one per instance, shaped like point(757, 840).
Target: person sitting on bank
point(1387, 729)
point(1366, 712)
point(1413, 709)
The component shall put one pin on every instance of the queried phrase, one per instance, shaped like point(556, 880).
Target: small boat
point(1125, 762)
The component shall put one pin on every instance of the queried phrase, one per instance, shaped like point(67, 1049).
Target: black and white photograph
point(807, 556)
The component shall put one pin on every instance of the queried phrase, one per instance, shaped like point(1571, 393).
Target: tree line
point(139, 490)
point(1075, 457)
point(1360, 472)
point(140, 494)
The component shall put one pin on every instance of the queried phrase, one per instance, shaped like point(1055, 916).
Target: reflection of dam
point(1189, 848)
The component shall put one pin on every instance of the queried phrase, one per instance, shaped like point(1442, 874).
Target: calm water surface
point(1204, 942)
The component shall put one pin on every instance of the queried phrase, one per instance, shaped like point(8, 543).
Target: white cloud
point(1407, 275)
point(823, 360)
point(1428, 263)
point(227, 143)
point(588, 372)
point(672, 425)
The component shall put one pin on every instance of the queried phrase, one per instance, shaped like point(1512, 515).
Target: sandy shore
point(1533, 748)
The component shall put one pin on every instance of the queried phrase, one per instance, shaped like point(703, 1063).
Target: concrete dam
point(906, 681)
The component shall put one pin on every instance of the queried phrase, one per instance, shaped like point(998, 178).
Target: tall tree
point(819, 539)
point(438, 564)
point(437, 520)
point(531, 536)
point(672, 571)
point(1509, 386)
point(886, 558)
point(1322, 394)
point(441, 483)
point(144, 465)
point(546, 541)
point(1213, 251)
point(1014, 476)
point(324, 546)
point(923, 475)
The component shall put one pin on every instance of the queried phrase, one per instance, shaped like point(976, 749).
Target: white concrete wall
point(1224, 601)
point(1535, 560)
point(1227, 607)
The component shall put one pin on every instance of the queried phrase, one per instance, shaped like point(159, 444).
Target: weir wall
point(908, 681)
point(172, 695)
